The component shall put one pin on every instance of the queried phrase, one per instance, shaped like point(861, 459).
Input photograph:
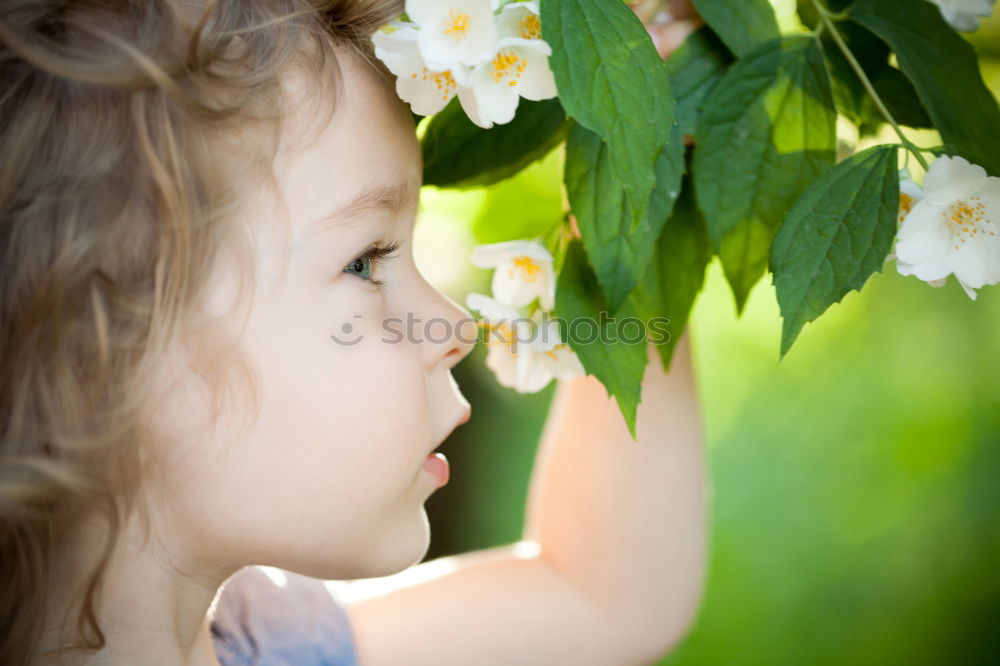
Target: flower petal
point(960, 20)
point(950, 179)
point(974, 253)
point(497, 101)
point(522, 280)
point(976, 262)
point(537, 82)
point(461, 74)
point(989, 192)
point(498, 84)
point(963, 14)
point(491, 309)
point(503, 363)
point(491, 255)
point(519, 19)
point(453, 33)
point(427, 92)
point(523, 271)
point(426, 12)
point(471, 107)
point(397, 48)
point(548, 336)
point(563, 363)
point(909, 187)
point(511, 289)
point(923, 235)
point(980, 7)
point(547, 291)
point(968, 290)
point(928, 271)
point(532, 373)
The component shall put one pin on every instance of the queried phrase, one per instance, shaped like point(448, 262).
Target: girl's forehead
point(366, 142)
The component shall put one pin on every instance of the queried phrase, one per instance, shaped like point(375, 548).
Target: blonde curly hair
point(114, 204)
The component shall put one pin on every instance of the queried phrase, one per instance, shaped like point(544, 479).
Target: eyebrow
point(380, 197)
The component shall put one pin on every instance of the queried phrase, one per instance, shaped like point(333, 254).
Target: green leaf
point(870, 52)
point(836, 235)
point(695, 68)
point(613, 82)
point(892, 86)
point(677, 271)
point(768, 129)
point(618, 365)
point(458, 153)
point(742, 24)
point(807, 11)
point(944, 70)
point(853, 101)
point(618, 253)
point(900, 98)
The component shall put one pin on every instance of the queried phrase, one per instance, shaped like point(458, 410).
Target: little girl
point(193, 197)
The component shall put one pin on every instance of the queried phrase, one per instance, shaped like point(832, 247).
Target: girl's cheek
point(349, 310)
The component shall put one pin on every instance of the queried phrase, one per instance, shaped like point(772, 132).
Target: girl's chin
point(404, 548)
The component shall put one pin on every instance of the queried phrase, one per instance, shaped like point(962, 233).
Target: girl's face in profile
point(329, 480)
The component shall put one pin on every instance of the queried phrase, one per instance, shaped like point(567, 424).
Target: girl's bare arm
point(626, 520)
point(612, 565)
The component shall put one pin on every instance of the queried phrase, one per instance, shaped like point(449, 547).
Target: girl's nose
point(449, 332)
point(467, 330)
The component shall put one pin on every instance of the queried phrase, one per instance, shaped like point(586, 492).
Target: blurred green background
point(855, 511)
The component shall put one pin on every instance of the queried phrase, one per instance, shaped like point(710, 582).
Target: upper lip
point(463, 418)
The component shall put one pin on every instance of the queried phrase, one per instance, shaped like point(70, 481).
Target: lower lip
point(437, 465)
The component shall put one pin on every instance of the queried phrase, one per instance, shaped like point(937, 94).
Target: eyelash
point(376, 255)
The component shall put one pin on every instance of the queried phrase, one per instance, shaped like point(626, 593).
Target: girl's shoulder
point(271, 617)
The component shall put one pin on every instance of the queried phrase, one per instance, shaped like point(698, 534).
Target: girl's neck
point(152, 605)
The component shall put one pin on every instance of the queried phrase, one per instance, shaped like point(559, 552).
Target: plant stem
point(827, 17)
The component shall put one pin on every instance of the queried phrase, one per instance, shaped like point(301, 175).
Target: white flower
point(519, 68)
point(524, 353)
point(953, 226)
point(523, 272)
point(489, 58)
point(454, 32)
point(909, 194)
point(426, 91)
point(964, 14)
point(557, 356)
point(520, 19)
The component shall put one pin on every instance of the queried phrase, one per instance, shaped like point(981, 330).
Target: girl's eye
point(363, 265)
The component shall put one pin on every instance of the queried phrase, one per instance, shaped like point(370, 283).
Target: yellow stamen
point(529, 269)
point(531, 28)
point(507, 64)
point(905, 206)
point(499, 334)
point(968, 218)
point(551, 353)
point(456, 25)
point(444, 81)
